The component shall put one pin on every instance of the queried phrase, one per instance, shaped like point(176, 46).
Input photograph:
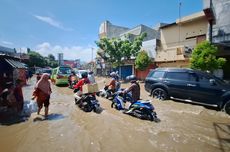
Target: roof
point(15, 63)
point(168, 25)
point(137, 30)
point(186, 19)
point(8, 50)
point(191, 17)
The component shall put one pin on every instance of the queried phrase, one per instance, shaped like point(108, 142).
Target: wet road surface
point(183, 127)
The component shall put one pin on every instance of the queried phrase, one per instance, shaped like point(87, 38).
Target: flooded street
point(183, 127)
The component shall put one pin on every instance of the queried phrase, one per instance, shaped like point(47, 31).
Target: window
point(203, 79)
point(193, 77)
point(177, 76)
point(64, 70)
point(157, 74)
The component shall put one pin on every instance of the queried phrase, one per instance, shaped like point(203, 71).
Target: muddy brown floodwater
point(183, 128)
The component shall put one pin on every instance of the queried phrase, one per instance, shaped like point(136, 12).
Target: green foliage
point(142, 61)
point(38, 60)
point(115, 51)
point(204, 57)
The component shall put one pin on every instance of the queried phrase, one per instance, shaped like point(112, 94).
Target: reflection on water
point(53, 116)
point(183, 127)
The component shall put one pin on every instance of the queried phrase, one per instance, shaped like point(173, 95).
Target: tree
point(51, 57)
point(115, 51)
point(36, 59)
point(142, 61)
point(204, 57)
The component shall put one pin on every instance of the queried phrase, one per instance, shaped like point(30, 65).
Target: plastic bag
point(32, 106)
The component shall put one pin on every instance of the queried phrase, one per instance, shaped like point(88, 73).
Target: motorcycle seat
point(144, 101)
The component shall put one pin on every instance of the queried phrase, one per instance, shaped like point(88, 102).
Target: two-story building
point(178, 39)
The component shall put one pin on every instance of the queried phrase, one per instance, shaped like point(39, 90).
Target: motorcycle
point(88, 103)
point(140, 109)
point(105, 92)
point(143, 110)
point(120, 99)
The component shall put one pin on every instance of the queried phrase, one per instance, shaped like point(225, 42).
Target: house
point(217, 12)
point(178, 39)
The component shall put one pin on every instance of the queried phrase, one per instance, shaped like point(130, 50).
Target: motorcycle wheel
point(76, 101)
point(112, 104)
point(87, 108)
point(153, 117)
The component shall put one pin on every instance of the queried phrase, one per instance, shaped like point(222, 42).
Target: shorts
point(46, 102)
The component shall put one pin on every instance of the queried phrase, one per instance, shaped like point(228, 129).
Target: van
point(60, 75)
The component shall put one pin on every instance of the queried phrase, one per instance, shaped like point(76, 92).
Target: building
point(112, 31)
point(109, 30)
point(60, 59)
point(217, 12)
point(11, 68)
point(178, 39)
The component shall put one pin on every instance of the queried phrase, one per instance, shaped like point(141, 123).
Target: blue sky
point(71, 26)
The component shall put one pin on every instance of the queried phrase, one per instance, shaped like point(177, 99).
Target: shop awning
point(15, 64)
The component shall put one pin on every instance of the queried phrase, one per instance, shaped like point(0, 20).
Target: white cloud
point(69, 53)
point(52, 22)
point(7, 43)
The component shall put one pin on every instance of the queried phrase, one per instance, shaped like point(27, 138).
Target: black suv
point(188, 85)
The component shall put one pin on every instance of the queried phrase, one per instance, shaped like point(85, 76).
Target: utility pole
point(92, 60)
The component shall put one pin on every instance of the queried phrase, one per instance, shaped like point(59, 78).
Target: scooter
point(105, 92)
point(88, 103)
point(143, 110)
point(120, 99)
point(140, 109)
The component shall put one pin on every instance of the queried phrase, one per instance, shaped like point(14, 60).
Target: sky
point(71, 27)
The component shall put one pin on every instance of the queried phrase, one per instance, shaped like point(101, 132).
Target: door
point(177, 84)
point(203, 91)
point(126, 70)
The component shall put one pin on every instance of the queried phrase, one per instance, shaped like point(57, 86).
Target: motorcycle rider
point(134, 88)
point(114, 83)
point(79, 85)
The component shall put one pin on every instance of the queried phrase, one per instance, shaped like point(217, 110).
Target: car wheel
point(160, 94)
point(227, 107)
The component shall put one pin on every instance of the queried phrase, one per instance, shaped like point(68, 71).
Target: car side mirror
point(212, 81)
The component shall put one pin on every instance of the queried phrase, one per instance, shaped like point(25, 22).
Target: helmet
point(131, 78)
point(84, 75)
point(113, 74)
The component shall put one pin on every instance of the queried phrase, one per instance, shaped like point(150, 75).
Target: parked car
point(60, 75)
point(190, 86)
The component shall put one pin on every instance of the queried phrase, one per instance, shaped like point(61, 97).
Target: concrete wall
point(179, 35)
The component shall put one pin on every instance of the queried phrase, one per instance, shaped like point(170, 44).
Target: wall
point(141, 75)
point(180, 35)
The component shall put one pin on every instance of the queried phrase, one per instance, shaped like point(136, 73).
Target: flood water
point(183, 127)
